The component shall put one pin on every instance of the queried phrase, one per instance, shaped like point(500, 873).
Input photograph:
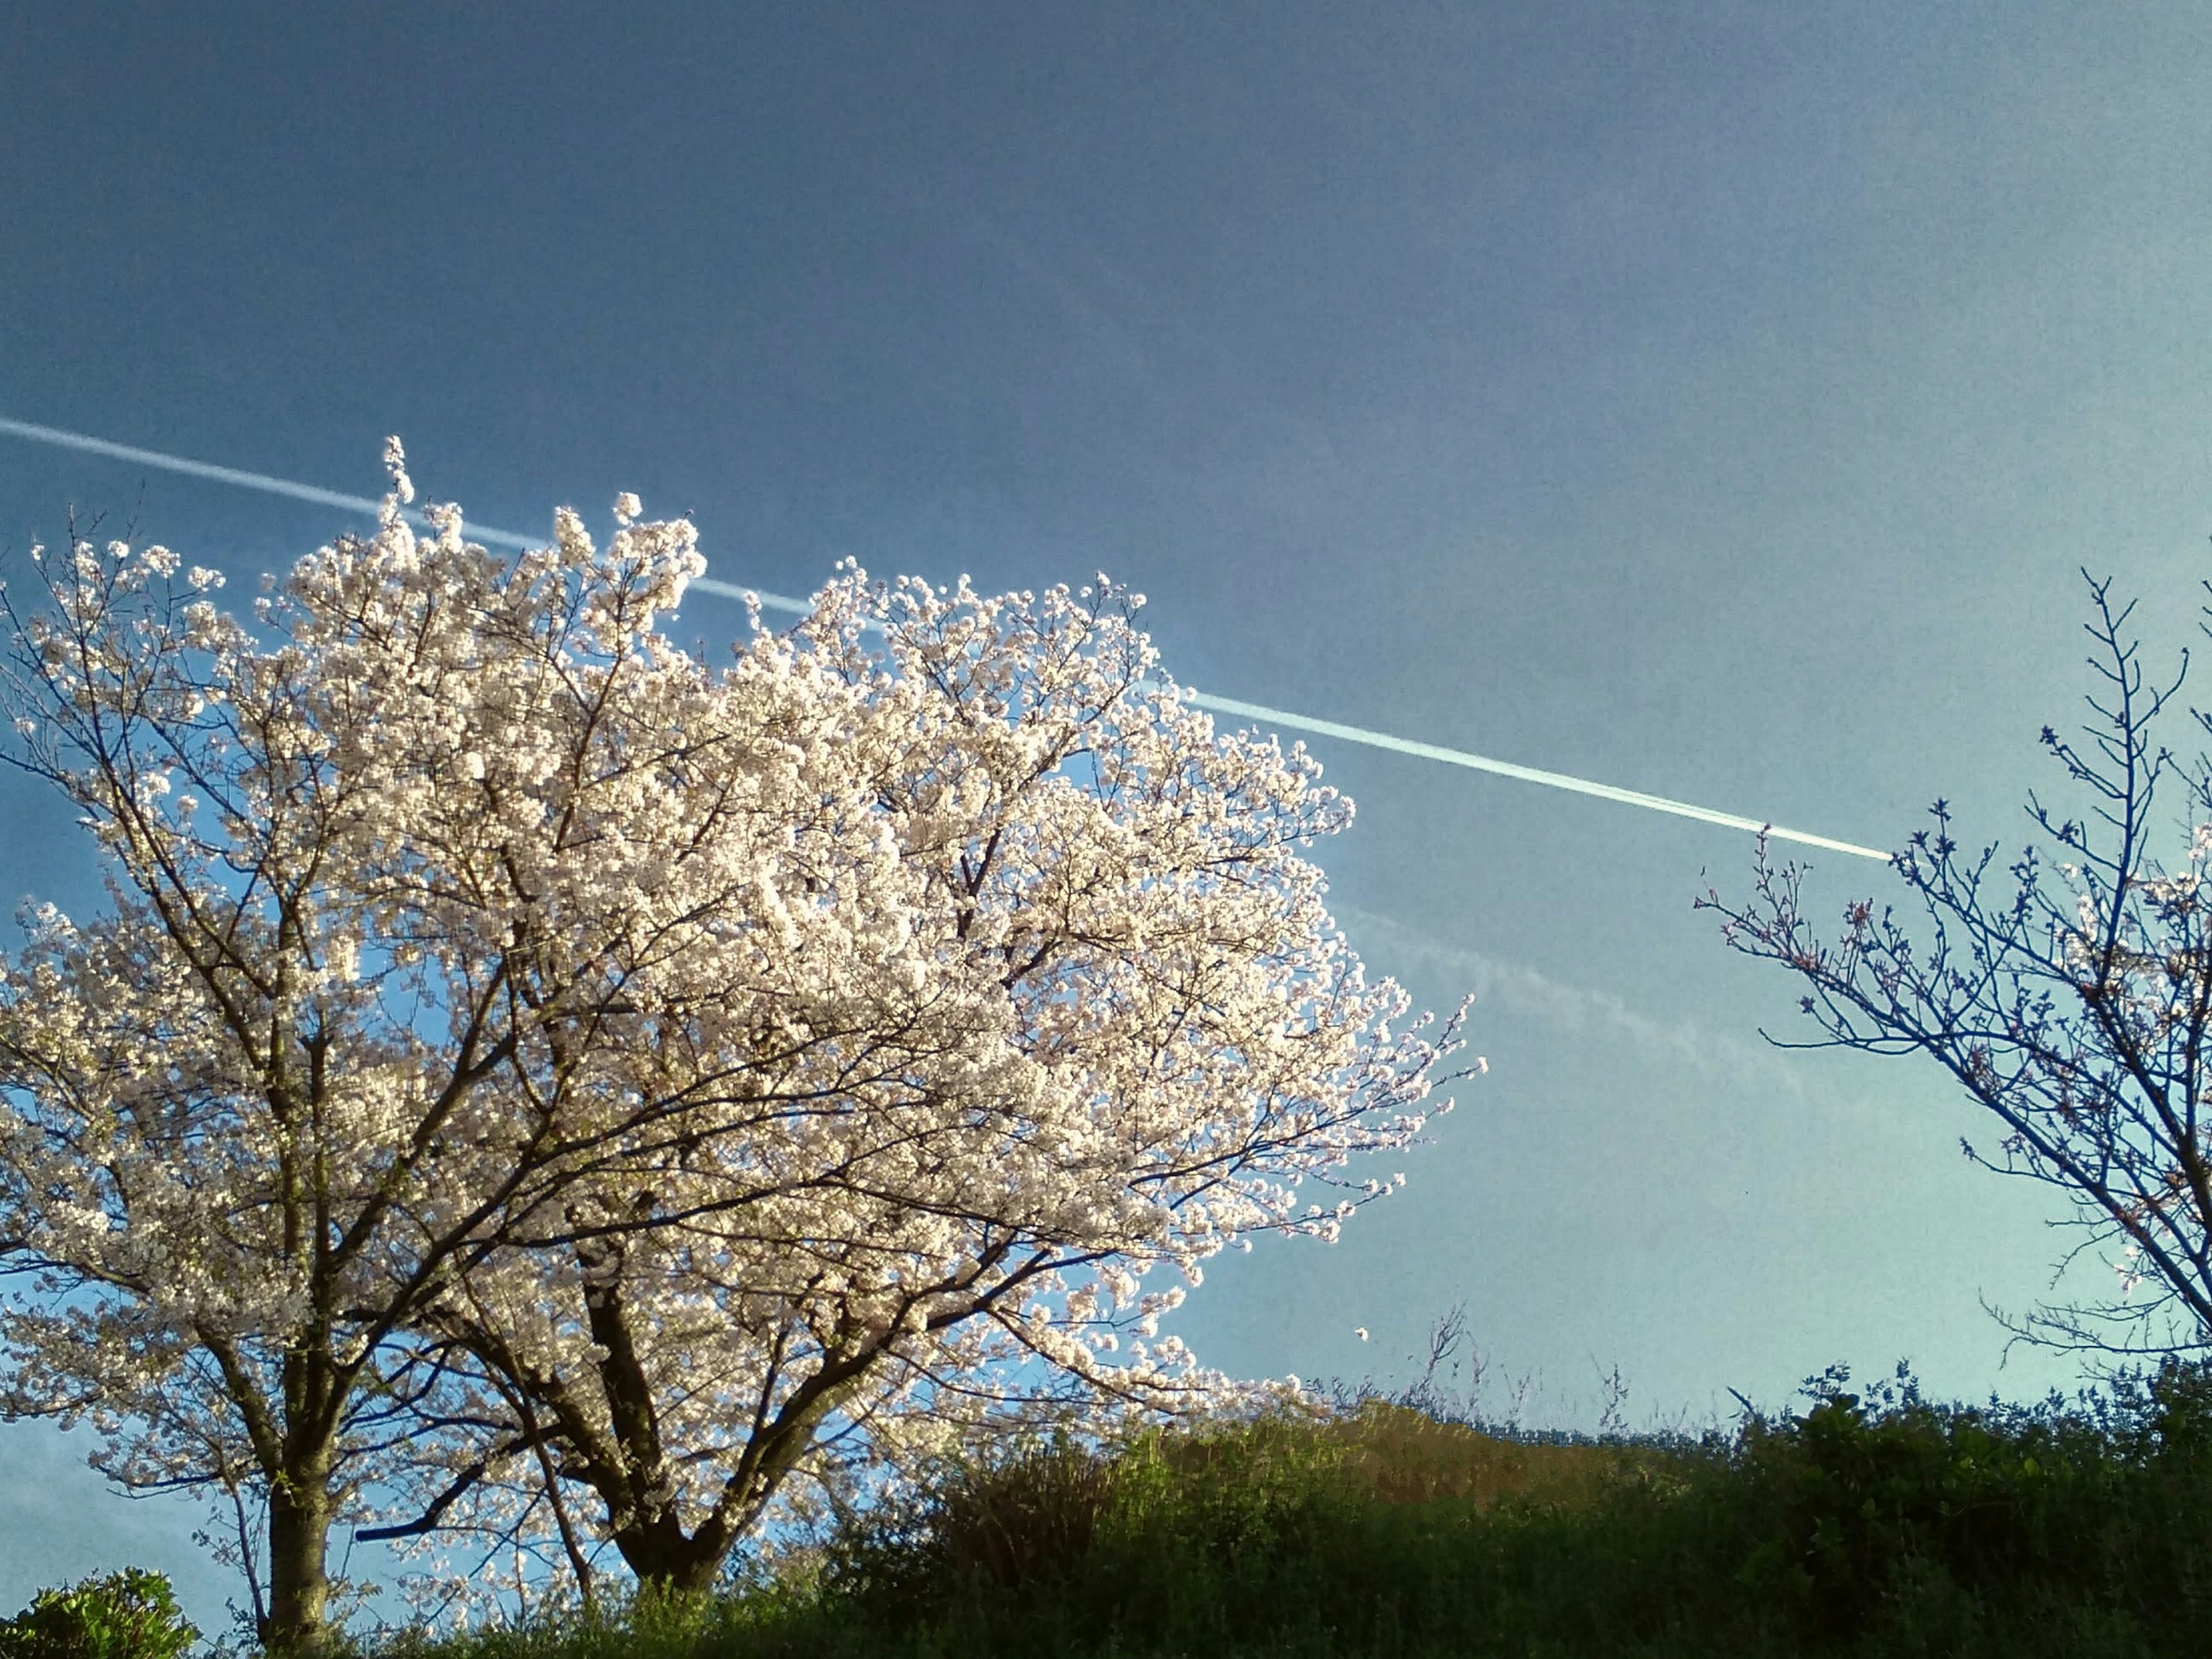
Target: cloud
point(1575, 1011)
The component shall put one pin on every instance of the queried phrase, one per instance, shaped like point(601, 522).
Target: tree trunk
point(654, 1544)
point(298, 1584)
point(664, 1559)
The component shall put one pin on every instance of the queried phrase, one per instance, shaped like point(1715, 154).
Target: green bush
point(765, 1621)
point(1873, 1503)
point(1872, 1524)
point(1049, 1512)
point(131, 1615)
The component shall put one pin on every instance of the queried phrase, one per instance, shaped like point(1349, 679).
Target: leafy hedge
point(1872, 1522)
point(131, 1615)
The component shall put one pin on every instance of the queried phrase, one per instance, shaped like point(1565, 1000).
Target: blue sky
point(1713, 400)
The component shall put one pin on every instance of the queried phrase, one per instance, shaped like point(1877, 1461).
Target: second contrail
point(1308, 723)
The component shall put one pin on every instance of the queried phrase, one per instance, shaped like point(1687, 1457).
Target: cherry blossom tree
point(1171, 1037)
point(514, 1046)
point(2067, 990)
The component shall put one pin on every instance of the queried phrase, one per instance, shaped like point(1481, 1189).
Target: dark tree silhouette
point(2068, 991)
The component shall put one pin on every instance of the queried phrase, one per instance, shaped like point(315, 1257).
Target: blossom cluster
point(505, 1016)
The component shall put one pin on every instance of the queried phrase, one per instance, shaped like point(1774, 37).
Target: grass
point(1873, 1523)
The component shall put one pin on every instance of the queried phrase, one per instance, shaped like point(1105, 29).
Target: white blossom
point(831, 1044)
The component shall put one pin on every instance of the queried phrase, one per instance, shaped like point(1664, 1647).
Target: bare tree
point(2068, 991)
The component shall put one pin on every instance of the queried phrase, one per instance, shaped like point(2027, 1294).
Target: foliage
point(1878, 1505)
point(767, 1620)
point(131, 1615)
point(1874, 1522)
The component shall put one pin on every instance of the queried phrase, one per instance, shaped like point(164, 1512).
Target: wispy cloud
point(1310, 725)
point(1578, 1011)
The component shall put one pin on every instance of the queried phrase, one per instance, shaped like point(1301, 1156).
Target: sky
point(1717, 401)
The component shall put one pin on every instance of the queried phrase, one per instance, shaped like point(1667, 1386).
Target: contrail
point(1254, 711)
point(231, 475)
point(1681, 809)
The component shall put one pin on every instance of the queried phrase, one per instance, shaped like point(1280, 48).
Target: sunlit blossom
point(834, 1044)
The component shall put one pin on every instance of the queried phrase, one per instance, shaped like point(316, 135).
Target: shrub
point(1876, 1507)
point(1872, 1524)
point(131, 1615)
